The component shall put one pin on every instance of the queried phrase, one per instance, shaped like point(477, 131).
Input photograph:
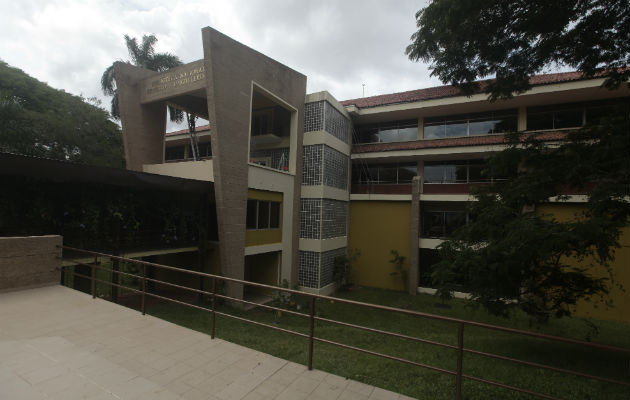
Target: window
point(174, 153)
point(397, 131)
point(263, 214)
point(383, 173)
point(461, 171)
point(262, 122)
point(205, 149)
point(572, 115)
point(442, 224)
point(471, 124)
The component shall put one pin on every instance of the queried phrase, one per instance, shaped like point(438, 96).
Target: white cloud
point(339, 45)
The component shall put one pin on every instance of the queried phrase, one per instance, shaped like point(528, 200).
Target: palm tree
point(143, 56)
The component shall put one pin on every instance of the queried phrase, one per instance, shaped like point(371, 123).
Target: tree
point(512, 254)
point(512, 40)
point(38, 120)
point(142, 55)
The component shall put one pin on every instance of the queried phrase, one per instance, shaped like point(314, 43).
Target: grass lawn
point(419, 382)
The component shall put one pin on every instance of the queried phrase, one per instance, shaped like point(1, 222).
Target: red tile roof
point(450, 91)
point(201, 128)
point(449, 142)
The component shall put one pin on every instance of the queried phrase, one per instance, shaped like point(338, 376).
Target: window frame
point(269, 204)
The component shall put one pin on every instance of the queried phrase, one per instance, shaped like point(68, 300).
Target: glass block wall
point(316, 270)
point(312, 164)
point(335, 123)
point(335, 168)
point(323, 218)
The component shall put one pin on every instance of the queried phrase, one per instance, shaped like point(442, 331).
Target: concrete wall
point(31, 261)
point(231, 71)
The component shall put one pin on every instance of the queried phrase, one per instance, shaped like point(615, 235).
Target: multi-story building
point(300, 179)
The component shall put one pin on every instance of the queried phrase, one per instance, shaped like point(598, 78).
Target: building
point(299, 179)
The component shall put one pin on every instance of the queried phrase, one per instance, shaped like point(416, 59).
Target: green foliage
point(398, 262)
point(512, 40)
point(38, 120)
point(142, 55)
point(342, 274)
point(510, 256)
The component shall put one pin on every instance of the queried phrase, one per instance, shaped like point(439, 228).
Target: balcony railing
point(459, 376)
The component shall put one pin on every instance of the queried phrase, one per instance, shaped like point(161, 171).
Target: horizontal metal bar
point(367, 305)
point(548, 367)
point(262, 324)
point(509, 387)
point(398, 335)
point(227, 297)
point(374, 353)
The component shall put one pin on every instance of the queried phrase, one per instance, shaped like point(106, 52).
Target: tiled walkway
point(57, 343)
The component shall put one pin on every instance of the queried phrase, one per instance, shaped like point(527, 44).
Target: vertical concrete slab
point(143, 125)
point(31, 261)
point(231, 71)
point(414, 270)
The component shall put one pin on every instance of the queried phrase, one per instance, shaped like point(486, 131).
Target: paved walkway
point(58, 343)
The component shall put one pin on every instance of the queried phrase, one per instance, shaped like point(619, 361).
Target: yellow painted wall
point(262, 268)
point(259, 237)
point(376, 228)
point(620, 297)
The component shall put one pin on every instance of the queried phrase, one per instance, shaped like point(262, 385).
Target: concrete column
point(420, 128)
point(143, 125)
point(414, 270)
point(522, 118)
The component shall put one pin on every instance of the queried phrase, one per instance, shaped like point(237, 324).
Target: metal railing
point(312, 317)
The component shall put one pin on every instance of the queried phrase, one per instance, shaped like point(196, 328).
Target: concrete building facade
point(300, 179)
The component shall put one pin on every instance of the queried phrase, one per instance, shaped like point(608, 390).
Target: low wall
point(31, 261)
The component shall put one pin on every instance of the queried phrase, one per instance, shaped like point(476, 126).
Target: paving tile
point(60, 344)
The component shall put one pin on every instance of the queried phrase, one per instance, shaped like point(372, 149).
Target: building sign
point(176, 79)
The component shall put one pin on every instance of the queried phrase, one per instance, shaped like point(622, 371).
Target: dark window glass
point(453, 220)
point(433, 131)
point(475, 173)
point(450, 174)
point(539, 121)
point(456, 129)
point(433, 173)
point(407, 172)
point(387, 174)
point(205, 150)
point(251, 214)
point(174, 153)
point(263, 214)
point(397, 131)
point(433, 224)
point(568, 119)
point(408, 133)
point(275, 215)
point(461, 173)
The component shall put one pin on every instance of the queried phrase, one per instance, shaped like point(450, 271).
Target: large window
point(263, 214)
point(442, 224)
point(471, 124)
point(572, 115)
point(383, 173)
point(397, 131)
point(461, 171)
point(174, 153)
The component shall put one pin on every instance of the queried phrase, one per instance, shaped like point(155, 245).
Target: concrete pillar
point(414, 270)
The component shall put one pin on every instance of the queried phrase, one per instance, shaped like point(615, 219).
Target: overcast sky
point(339, 45)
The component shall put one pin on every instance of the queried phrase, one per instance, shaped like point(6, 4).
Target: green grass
point(419, 382)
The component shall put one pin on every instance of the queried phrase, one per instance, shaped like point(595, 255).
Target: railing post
point(311, 334)
point(144, 286)
point(214, 300)
point(460, 360)
point(93, 274)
